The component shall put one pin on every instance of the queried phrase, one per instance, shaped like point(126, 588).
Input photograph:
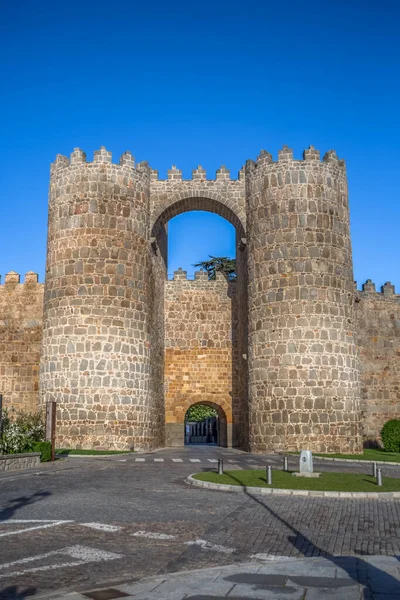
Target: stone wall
point(303, 366)
point(100, 351)
point(21, 318)
point(378, 328)
point(199, 331)
point(278, 357)
point(378, 333)
point(18, 462)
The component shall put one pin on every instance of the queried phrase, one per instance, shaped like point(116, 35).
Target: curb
point(356, 460)
point(89, 455)
point(283, 492)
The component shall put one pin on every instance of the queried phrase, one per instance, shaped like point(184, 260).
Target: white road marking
point(213, 460)
point(153, 535)
point(122, 460)
point(177, 460)
point(264, 556)
point(102, 526)
point(11, 521)
point(194, 460)
point(81, 554)
point(140, 459)
point(46, 526)
point(209, 546)
point(158, 459)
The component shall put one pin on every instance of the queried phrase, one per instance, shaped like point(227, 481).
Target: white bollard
point(269, 475)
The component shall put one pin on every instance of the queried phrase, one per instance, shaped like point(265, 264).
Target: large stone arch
point(168, 201)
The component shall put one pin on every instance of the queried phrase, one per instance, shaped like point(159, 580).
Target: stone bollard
point(374, 469)
point(269, 475)
point(379, 477)
point(285, 463)
point(220, 466)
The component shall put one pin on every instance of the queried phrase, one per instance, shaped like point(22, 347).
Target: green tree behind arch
point(198, 412)
point(219, 263)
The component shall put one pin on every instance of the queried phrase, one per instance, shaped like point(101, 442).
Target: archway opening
point(196, 235)
point(205, 424)
point(204, 319)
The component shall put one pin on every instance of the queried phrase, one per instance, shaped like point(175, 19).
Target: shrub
point(390, 435)
point(19, 431)
point(44, 448)
point(32, 425)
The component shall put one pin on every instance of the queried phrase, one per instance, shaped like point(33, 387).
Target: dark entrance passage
point(205, 424)
point(202, 432)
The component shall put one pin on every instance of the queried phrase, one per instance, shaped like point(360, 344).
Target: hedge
point(44, 448)
point(390, 435)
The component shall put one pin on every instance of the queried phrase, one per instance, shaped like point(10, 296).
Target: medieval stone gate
point(103, 348)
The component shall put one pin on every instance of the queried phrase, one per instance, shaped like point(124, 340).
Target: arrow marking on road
point(43, 526)
point(81, 554)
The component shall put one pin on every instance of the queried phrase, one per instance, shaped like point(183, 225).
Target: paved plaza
point(116, 523)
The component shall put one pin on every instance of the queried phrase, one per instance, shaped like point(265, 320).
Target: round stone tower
point(303, 372)
point(97, 334)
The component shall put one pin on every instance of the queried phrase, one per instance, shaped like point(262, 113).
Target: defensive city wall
point(291, 355)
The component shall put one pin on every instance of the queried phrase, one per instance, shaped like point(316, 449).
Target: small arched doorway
point(206, 424)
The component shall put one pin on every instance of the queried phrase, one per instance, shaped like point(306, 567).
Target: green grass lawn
point(368, 454)
point(336, 482)
point(67, 451)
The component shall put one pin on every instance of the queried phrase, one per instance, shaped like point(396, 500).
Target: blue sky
point(205, 83)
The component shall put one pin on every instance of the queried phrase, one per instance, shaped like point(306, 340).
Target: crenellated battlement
point(285, 155)
point(12, 279)
point(199, 277)
point(104, 157)
point(199, 175)
point(387, 290)
point(101, 156)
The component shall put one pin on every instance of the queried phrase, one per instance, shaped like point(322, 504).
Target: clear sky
point(207, 83)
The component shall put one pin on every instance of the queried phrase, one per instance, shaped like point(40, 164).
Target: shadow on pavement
point(12, 593)
point(16, 503)
point(375, 580)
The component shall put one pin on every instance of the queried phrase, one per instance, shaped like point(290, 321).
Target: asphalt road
point(87, 522)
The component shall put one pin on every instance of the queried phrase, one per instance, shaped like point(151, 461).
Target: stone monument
point(306, 462)
point(306, 465)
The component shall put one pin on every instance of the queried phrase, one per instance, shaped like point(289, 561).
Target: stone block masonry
point(21, 322)
point(97, 352)
point(200, 349)
point(19, 462)
point(378, 332)
point(303, 368)
point(292, 355)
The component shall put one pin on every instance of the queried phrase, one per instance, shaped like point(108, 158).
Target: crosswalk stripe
point(158, 460)
point(194, 460)
point(177, 460)
point(140, 459)
point(213, 460)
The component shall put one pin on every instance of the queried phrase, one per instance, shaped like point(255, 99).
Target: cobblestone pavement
point(340, 578)
point(82, 523)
